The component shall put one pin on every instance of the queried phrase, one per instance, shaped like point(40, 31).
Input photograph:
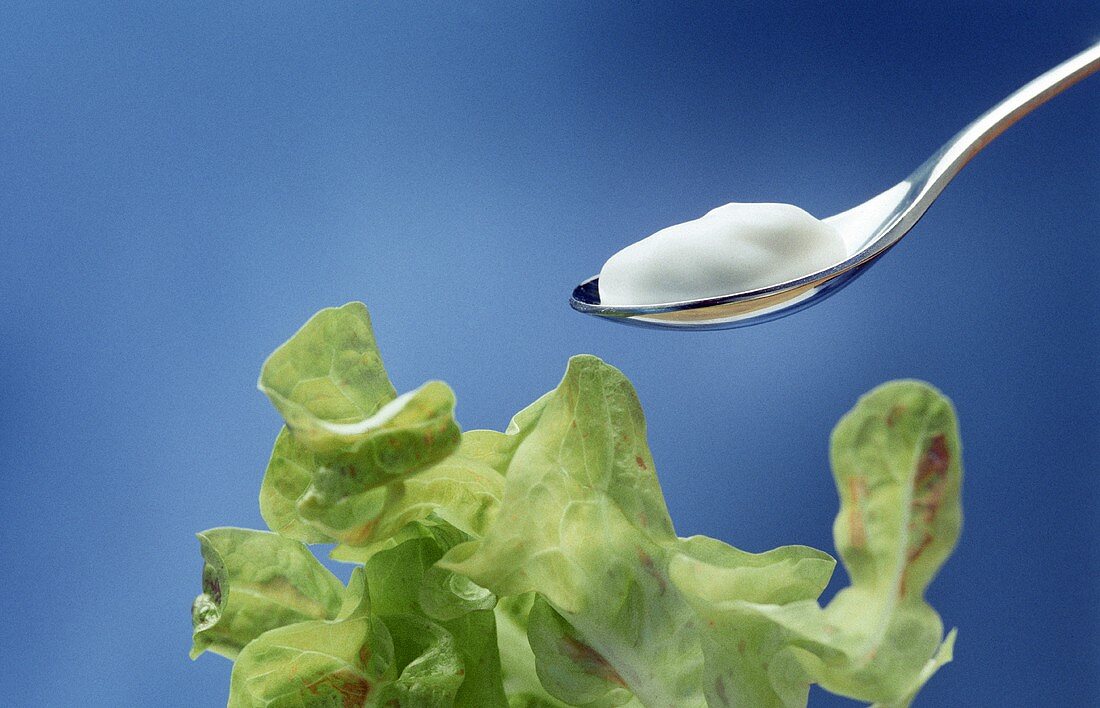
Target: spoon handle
point(932, 176)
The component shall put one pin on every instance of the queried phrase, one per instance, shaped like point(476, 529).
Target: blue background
point(182, 185)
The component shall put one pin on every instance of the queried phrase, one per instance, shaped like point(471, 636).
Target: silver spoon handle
point(931, 177)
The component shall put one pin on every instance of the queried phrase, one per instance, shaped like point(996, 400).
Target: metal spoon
point(868, 230)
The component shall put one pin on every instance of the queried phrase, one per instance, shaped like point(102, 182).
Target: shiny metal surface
point(868, 230)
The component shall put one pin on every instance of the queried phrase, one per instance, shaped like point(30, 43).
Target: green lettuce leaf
point(253, 582)
point(432, 666)
point(539, 567)
point(329, 384)
point(329, 372)
point(583, 524)
point(445, 595)
point(519, 674)
point(567, 666)
point(440, 659)
point(350, 443)
point(357, 464)
point(289, 474)
point(460, 489)
point(738, 646)
point(465, 489)
point(943, 656)
point(349, 492)
point(347, 661)
point(896, 461)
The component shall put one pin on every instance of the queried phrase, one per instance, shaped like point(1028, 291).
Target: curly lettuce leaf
point(330, 386)
point(356, 464)
point(465, 489)
point(567, 666)
point(896, 461)
point(738, 646)
point(349, 492)
point(519, 673)
point(289, 474)
point(584, 525)
point(350, 442)
point(539, 567)
point(347, 661)
point(402, 577)
point(460, 489)
point(329, 373)
point(254, 581)
point(943, 656)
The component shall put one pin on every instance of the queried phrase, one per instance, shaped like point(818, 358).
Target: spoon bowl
point(868, 230)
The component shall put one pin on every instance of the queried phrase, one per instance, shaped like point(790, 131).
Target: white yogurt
point(730, 249)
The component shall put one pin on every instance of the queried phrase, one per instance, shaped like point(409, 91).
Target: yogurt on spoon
point(731, 249)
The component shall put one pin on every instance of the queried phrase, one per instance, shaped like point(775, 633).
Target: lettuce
point(539, 566)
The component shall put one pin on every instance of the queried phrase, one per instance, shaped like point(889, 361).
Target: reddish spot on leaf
point(895, 413)
point(720, 689)
point(591, 661)
point(929, 488)
point(640, 462)
point(934, 462)
point(914, 553)
point(741, 647)
point(651, 568)
point(356, 537)
point(353, 689)
point(857, 532)
point(214, 589)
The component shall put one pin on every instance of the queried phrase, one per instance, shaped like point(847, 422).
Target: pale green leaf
point(568, 667)
point(254, 581)
point(430, 662)
point(350, 492)
point(464, 489)
point(399, 577)
point(348, 661)
point(289, 473)
point(943, 656)
point(738, 646)
point(896, 458)
point(330, 371)
point(583, 524)
point(517, 661)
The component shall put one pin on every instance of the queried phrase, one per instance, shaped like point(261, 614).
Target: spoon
point(868, 230)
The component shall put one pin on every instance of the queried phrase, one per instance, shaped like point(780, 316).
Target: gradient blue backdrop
point(182, 185)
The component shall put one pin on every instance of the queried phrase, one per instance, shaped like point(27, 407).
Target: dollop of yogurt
point(736, 247)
